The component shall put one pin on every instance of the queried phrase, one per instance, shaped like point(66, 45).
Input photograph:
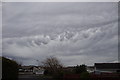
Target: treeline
point(55, 69)
point(9, 69)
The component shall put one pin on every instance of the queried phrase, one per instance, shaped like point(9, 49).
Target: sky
point(74, 32)
point(60, 0)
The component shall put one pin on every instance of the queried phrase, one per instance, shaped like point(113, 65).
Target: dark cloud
point(74, 32)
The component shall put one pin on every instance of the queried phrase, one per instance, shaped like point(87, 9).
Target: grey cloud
point(74, 32)
point(64, 16)
point(65, 44)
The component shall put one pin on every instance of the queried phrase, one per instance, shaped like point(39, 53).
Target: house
point(107, 68)
point(26, 69)
point(90, 69)
point(31, 70)
point(38, 70)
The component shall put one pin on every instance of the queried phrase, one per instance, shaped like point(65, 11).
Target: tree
point(9, 69)
point(52, 65)
point(80, 69)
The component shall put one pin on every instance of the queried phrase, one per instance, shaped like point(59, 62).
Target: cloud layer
point(76, 33)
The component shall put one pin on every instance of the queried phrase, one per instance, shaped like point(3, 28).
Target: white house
point(38, 70)
point(90, 69)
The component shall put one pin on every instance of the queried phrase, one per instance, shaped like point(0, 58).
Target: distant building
point(90, 69)
point(31, 70)
point(107, 67)
point(26, 69)
point(38, 70)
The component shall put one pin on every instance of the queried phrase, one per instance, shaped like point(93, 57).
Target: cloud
point(85, 45)
point(61, 1)
point(76, 33)
point(26, 19)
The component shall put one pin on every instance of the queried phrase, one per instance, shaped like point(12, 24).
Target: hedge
point(9, 69)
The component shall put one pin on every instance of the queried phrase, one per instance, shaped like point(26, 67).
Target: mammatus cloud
point(76, 33)
point(88, 46)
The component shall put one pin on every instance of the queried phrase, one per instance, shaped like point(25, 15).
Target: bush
point(9, 69)
point(80, 69)
point(84, 76)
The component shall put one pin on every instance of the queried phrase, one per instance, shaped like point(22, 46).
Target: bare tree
point(52, 64)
